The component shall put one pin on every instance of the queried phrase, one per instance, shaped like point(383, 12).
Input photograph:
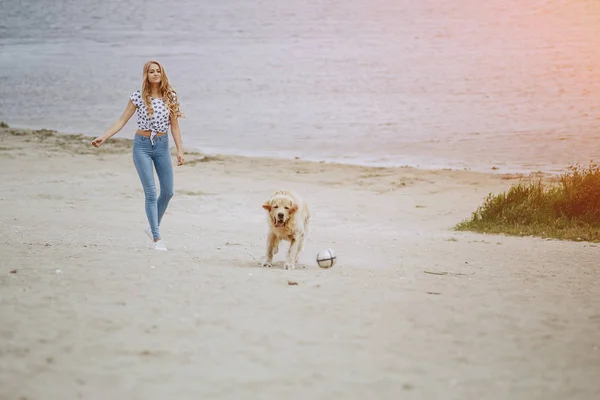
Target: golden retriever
point(288, 220)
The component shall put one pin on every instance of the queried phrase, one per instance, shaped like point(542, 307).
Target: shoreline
point(493, 171)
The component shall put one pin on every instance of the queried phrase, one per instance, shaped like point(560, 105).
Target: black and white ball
point(326, 258)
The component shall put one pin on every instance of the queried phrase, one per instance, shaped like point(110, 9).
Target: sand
point(413, 309)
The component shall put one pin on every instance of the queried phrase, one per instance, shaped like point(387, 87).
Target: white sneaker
point(149, 233)
point(159, 246)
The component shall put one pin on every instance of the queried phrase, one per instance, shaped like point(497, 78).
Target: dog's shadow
point(276, 265)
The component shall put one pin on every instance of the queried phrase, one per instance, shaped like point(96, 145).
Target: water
point(513, 84)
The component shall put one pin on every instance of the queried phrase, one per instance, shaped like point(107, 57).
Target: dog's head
point(280, 208)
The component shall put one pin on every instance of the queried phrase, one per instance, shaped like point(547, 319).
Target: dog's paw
point(289, 265)
point(267, 264)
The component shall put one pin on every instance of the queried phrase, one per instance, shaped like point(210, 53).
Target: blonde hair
point(166, 91)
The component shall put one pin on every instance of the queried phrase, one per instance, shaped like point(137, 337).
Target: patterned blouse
point(160, 121)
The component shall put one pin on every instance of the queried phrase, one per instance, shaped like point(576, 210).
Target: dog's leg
point(272, 243)
point(300, 247)
point(292, 255)
point(304, 233)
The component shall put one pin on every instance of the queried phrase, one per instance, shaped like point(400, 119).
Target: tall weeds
point(566, 209)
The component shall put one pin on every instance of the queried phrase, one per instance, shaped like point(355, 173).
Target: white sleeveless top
point(160, 121)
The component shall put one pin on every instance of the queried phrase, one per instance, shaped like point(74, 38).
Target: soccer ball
point(326, 258)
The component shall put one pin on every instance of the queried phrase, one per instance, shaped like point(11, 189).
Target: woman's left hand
point(180, 159)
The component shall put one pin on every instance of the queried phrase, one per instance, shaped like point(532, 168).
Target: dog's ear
point(293, 208)
point(267, 206)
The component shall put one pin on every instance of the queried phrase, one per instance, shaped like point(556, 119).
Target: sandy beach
point(412, 310)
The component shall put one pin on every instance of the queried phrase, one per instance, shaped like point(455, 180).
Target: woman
point(157, 110)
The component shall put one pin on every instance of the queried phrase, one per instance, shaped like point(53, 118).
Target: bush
point(566, 209)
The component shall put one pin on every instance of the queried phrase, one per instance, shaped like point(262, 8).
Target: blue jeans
point(144, 155)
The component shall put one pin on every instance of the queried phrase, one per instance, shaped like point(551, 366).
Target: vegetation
point(567, 208)
point(3, 124)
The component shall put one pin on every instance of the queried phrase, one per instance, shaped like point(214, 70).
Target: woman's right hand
point(99, 141)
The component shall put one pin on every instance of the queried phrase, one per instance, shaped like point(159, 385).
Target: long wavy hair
point(167, 93)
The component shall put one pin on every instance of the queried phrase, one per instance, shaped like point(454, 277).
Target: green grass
point(568, 208)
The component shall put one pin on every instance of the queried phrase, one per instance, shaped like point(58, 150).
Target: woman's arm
point(177, 138)
point(117, 126)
